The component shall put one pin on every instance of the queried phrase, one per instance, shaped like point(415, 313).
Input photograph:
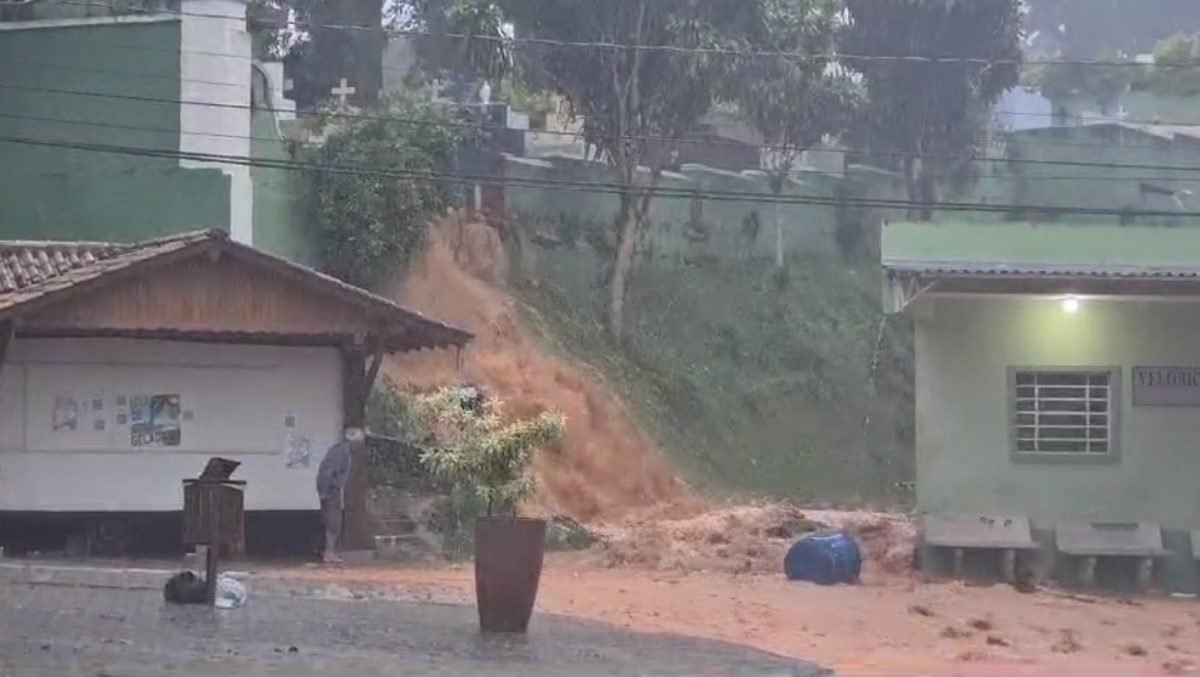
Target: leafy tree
point(1101, 84)
point(627, 95)
point(477, 449)
point(794, 102)
point(1175, 70)
point(931, 112)
point(375, 188)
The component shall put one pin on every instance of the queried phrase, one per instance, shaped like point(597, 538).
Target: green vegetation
point(476, 449)
point(931, 114)
point(474, 461)
point(1102, 85)
point(635, 94)
point(756, 381)
point(372, 200)
point(1174, 72)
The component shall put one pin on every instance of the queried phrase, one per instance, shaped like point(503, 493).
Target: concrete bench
point(1089, 541)
point(1008, 534)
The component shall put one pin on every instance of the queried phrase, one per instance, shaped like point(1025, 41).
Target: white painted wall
point(215, 68)
point(241, 400)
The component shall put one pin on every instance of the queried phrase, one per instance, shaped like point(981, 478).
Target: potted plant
point(475, 447)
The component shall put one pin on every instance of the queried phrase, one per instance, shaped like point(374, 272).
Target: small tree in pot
point(474, 446)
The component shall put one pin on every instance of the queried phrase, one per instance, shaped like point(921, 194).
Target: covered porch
point(247, 354)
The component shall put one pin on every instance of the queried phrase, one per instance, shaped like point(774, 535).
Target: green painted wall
point(963, 352)
point(964, 347)
point(281, 223)
point(131, 71)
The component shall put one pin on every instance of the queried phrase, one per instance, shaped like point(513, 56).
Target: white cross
point(342, 91)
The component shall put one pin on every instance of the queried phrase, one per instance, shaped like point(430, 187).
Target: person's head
point(356, 437)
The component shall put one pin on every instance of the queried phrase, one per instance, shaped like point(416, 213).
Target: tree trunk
point(778, 235)
point(927, 191)
point(627, 229)
point(911, 191)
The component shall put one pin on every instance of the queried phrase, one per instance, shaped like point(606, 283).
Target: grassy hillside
point(756, 381)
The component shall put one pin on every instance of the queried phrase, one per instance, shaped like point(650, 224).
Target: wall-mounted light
point(1070, 305)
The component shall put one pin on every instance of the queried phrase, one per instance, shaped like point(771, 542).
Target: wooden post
point(6, 335)
point(356, 534)
point(212, 550)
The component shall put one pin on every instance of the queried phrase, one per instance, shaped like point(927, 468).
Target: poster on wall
point(66, 414)
point(154, 421)
point(298, 451)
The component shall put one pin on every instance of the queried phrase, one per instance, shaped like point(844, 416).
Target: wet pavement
point(104, 623)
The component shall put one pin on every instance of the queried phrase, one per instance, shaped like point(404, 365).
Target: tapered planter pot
point(508, 568)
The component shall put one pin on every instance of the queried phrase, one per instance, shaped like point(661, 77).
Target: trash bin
point(214, 516)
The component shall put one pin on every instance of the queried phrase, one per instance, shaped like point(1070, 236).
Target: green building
point(1057, 374)
point(121, 128)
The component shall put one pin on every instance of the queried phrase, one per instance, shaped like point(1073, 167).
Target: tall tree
point(594, 55)
point(794, 101)
point(931, 112)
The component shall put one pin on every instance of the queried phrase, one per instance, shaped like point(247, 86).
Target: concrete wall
point(1136, 106)
point(964, 347)
point(128, 73)
point(687, 225)
point(281, 223)
point(1112, 185)
point(215, 84)
point(240, 399)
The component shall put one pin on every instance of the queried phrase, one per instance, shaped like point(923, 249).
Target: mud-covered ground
point(889, 625)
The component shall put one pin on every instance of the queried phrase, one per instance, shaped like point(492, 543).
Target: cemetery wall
point(704, 214)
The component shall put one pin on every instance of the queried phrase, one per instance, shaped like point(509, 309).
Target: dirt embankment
point(606, 472)
point(605, 468)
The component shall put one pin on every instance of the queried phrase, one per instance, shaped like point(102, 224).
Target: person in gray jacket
point(332, 476)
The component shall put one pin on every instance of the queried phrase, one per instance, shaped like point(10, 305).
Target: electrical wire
point(797, 172)
point(674, 49)
point(348, 115)
point(599, 187)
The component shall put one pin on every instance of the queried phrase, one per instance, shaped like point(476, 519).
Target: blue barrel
point(824, 558)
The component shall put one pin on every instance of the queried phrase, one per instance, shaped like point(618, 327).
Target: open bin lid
point(219, 469)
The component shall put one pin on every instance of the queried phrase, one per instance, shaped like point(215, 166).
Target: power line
point(1091, 119)
point(675, 49)
point(281, 141)
point(1095, 119)
point(599, 187)
point(345, 115)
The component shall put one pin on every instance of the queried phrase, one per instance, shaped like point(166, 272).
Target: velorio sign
point(1166, 386)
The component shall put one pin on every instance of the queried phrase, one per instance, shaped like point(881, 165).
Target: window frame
point(1115, 405)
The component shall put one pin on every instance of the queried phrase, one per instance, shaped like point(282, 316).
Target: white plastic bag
point(231, 594)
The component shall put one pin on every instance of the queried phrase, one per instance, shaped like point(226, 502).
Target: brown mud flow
point(605, 467)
